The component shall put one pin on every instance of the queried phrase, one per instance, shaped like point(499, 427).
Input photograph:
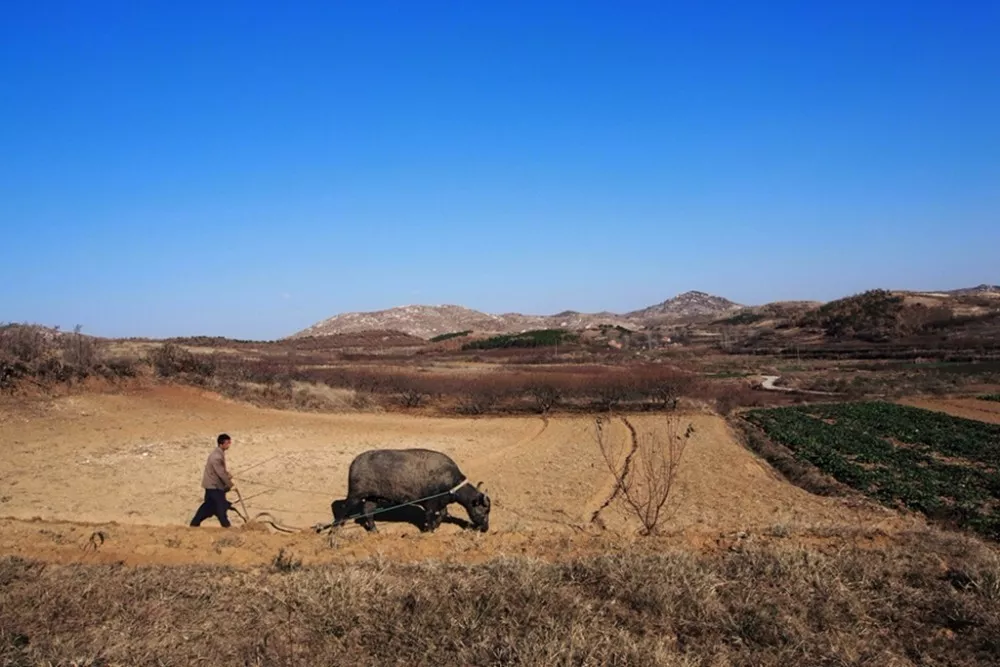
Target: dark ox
point(383, 478)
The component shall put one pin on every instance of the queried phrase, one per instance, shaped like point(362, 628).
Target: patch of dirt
point(969, 408)
point(252, 546)
point(130, 465)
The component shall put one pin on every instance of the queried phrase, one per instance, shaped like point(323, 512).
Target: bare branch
point(647, 476)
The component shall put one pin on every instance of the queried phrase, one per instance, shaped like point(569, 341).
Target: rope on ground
point(258, 494)
point(319, 528)
point(271, 520)
point(259, 463)
point(284, 488)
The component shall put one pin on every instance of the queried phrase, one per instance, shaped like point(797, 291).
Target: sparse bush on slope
point(48, 356)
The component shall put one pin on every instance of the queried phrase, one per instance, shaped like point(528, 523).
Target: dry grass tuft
point(936, 602)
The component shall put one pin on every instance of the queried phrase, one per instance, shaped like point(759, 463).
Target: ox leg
point(434, 514)
point(343, 510)
point(368, 521)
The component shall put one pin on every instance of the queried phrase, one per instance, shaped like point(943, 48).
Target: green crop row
point(536, 338)
point(854, 450)
point(926, 430)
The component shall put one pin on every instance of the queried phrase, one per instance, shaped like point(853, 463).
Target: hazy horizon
point(247, 169)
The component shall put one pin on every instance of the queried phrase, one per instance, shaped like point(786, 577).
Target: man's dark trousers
point(215, 505)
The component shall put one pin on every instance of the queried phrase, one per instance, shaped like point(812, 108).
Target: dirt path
point(133, 461)
point(767, 383)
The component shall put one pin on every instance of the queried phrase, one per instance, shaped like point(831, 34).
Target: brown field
point(133, 461)
point(969, 408)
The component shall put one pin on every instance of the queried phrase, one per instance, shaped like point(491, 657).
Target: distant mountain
point(423, 321)
point(429, 321)
point(688, 304)
point(978, 290)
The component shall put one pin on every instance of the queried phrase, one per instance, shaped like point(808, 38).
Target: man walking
point(216, 481)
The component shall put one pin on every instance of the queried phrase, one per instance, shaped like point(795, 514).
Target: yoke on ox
point(417, 484)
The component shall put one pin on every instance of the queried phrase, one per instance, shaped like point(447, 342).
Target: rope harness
point(269, 519)
point(319, 528)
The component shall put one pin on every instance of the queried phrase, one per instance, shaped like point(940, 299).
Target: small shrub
point(664, 388)
point(25, 343)
point(412, 390)
point(53, 370)
point(545, 395)
point(726, 402)
point(613, 389)
point(79, 350)
point(285, 562)
point(11, 372)
point(480, 400)
point(171, 360)
point(121, 367)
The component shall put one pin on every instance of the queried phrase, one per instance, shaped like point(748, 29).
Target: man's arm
point(219, 467)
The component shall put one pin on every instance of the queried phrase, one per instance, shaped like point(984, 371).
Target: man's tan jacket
point(216, 476)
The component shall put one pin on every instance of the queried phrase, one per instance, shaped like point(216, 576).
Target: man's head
point(224, 441)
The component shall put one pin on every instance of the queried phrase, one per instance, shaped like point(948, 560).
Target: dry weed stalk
point(645, 475)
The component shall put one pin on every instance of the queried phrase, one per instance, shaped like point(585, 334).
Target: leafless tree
point(612, 390)
point(412, 390)
point(665, 390)
point(545, 395)
point(79, 350)
point(645, 471)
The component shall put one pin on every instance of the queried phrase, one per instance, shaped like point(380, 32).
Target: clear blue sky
point(247, 168)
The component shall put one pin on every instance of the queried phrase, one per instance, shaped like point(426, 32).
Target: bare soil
point(969, 408)
point(128, 466)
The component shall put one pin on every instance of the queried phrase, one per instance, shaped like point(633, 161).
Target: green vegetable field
point(946, 467)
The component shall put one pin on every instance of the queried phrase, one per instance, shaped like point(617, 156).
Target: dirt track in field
point(129, 465)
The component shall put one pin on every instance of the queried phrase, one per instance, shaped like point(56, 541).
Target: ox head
point(481, 509)
point(477, 504)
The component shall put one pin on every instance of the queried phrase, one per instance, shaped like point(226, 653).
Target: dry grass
point(294, 395)
point(934, 602)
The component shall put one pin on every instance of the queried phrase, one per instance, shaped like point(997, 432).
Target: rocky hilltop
point(978, 290)
point(429, 321)
point(688, 304)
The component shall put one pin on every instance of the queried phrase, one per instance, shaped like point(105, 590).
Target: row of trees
point(541, 391)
